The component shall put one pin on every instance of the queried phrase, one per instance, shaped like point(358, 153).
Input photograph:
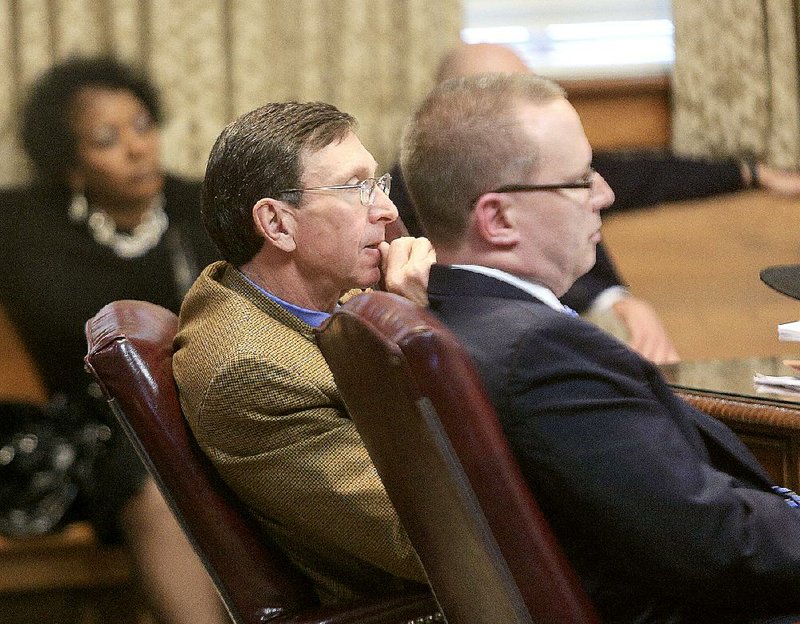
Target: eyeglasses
point(366, 189)
point(584, 183)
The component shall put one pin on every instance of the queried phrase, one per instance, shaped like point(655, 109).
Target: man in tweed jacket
point(292, 202)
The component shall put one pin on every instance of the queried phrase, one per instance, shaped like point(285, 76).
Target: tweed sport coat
point(263, 405)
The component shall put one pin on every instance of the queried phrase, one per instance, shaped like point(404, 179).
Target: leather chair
point(437, 444)
point(130, 356)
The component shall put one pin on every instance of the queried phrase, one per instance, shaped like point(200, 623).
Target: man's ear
point(275, 223)
point(492, 221)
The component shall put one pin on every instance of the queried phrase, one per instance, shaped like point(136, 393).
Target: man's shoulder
point(462, 297)
point(224, 332)
point(223, 312)
point(490, 321)
point(221, 296)
point(503, 327)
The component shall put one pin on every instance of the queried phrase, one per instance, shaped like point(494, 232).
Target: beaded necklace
point(103, 228)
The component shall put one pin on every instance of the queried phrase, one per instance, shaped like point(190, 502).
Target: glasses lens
point(367, 188)
point(385, 183)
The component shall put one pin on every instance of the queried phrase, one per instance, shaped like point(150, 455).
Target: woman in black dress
point(103, 222)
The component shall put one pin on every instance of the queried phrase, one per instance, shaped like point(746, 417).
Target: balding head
point(480, 58)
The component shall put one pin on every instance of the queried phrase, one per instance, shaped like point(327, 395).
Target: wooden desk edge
point(744, 410)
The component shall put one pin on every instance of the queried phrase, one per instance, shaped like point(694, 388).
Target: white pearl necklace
point(103, 228)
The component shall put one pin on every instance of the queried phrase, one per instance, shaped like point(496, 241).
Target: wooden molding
point(771, 432)
point(624, 113)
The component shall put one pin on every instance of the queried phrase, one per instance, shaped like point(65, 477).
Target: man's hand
point(778, 181)
point(405, 267)
point(646, 334)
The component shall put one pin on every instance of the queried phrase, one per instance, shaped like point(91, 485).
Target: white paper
point(777, 383)
point(789, 331)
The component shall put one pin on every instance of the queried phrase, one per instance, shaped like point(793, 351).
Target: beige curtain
point(214, 59)
point(735, 82)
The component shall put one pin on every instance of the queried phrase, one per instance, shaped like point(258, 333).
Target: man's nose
point(383, 209)
point(602, 194)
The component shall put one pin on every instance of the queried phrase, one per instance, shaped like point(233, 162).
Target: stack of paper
point(789, 331)
point(777, 383)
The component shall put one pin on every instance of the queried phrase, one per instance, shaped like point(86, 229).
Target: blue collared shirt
point(315, 318)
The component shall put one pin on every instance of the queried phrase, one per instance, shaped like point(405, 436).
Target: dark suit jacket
point(662, 510)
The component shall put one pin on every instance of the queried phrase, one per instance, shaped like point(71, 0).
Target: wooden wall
point(623, 113)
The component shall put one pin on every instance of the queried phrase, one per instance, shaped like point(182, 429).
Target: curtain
point(735, 82)
point(215, 59)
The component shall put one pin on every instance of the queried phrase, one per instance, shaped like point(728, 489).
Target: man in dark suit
point(666, 516)
point(640, 178)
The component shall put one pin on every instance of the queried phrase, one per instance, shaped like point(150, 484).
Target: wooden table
point(697, 263)
point(768, 423)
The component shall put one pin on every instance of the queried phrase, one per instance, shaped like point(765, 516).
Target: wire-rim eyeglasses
point(367, 189)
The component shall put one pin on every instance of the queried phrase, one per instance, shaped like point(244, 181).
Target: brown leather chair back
point(421, 409)
point(130, 356)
